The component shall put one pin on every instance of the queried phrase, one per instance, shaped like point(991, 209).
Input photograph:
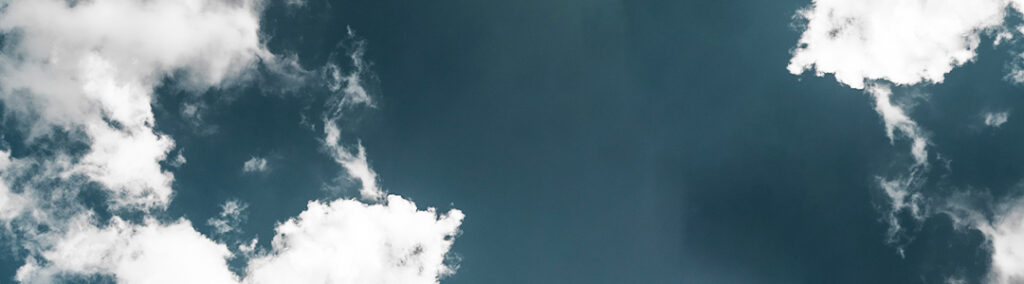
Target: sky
point(531, 141)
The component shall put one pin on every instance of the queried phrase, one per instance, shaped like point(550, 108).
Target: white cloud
point(296, 2)
point(147, 253)
point(232, 213)
point(955, 280)
point(996, 119)
point(11, 204)
point(1004, 231)
point(350, 84)
point(90, 69)
point(897, 120)
point(346, 241)
point(255, 164)
point(902, 41)
point(901, 189)
point(352, 93)
point(193, 114)
point(1007, 237)
point(179, 159)
point(902, 193)
point(128, 164)
point(355, 164)
point(872, 43)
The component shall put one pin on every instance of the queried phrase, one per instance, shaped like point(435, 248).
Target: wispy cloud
point(896, 119)
point(350, 93)
point(232, 213)
point(88, 71)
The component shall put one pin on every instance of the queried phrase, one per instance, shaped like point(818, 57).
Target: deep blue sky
point(606, 141)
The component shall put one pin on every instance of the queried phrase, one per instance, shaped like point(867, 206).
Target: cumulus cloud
point(996, 119)
point(904, 42)
point(1002, 224)
point(255, 164)
point(81, 67)
point(83, 73)
point(872, 45)
point(87, 71)
point(876, 44)
point(147, 253)
point(346, 241)
point(1007, 236)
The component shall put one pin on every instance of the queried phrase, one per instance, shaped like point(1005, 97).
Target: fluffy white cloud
point(11, 204)
point(147, 253)
point(996, 119)
point(1004, 229)
point(255, 164)
point(88, 69)
point(872, 44)
point(346, 241)
point(901, 41)
point(92, 67)
point(1007, 237)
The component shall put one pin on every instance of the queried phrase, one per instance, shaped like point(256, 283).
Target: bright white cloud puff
point(89, 68)
point(996, 119)
point(255, 164)
point(903, 41)
point(876, 44)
